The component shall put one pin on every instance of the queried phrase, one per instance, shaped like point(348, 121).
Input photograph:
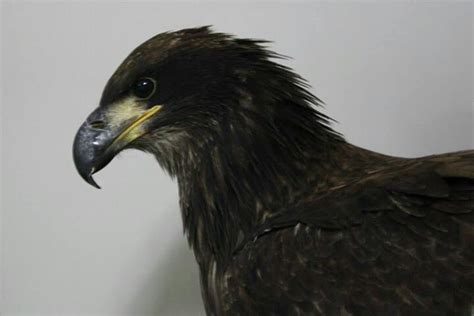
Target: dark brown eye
point(144, 88)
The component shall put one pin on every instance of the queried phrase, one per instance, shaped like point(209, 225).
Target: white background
point(397, 76)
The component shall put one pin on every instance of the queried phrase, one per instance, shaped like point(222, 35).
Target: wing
point(399, 241)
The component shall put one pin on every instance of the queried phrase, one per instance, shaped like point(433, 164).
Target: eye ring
point(144, 88)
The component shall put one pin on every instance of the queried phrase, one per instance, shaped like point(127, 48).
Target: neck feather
point(254, 167)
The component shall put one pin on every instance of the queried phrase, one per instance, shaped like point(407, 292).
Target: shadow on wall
point(173, 290)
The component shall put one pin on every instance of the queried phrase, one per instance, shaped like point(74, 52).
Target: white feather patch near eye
point(124, 110)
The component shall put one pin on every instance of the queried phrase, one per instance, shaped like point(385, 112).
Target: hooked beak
point(104, 134)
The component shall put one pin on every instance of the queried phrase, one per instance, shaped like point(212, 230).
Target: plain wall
point(397, 77)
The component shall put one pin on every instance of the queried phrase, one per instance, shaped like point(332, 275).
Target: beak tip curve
point(92, 182)
point(84, 155)
point(87, 176)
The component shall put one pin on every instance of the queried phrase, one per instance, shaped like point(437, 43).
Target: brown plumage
point(284, 216)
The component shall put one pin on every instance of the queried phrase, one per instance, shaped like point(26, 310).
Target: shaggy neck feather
point(240, 177)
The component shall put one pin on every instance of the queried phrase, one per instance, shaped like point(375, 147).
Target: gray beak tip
point(92, 182)
point(85, 155)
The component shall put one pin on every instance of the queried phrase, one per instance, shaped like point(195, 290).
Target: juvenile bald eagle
point(284, 216)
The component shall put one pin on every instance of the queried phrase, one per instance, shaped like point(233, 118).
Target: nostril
point(98, 124)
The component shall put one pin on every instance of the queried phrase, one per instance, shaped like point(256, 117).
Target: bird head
point(181, 91)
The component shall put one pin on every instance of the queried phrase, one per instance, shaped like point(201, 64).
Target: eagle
point(285, 217)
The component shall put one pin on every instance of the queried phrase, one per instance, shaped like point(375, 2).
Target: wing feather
point(398, 241)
